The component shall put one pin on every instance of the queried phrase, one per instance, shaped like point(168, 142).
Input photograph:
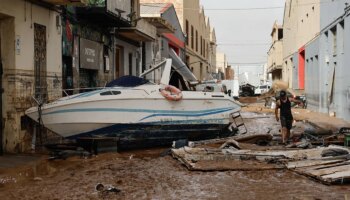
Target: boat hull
point(146, 135)
point(141, 114)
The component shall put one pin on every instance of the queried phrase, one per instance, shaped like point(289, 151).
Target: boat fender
point(171, 93)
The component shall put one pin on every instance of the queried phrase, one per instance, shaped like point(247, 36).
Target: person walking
point(285, 116)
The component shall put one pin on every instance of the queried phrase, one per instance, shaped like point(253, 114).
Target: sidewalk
point(15, 160)
point(320, 120)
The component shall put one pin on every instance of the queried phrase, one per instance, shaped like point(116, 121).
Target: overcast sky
point(242, 34)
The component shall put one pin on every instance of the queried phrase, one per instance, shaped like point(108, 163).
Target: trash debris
point(38, 179)
point(99, 187)
point(245, 138)
point(180, 143)
point(334, 152)
point(230, 144)
point(330, 165)
point(108, 189)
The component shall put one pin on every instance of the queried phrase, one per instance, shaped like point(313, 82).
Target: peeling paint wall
point(17, 33)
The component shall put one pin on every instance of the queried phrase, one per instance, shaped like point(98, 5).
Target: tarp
point(181, 67)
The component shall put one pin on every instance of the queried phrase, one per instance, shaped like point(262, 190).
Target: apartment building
point(275, 60)
point(301, 23)
point(201, 38)
point(327, 57)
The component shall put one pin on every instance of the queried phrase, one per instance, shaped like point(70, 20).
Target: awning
point(181, 67)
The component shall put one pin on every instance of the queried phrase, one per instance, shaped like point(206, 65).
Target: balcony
point(108, 13)
point(142, 32)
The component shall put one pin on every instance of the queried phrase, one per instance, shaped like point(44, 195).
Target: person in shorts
point(285, 115)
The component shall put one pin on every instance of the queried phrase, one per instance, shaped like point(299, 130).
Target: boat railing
point(52, 95)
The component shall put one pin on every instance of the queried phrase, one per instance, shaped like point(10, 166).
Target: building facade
point(170, 42)
point(50, 49)
point(300, 25)
point(275, 60)
point(31, 66)
point(200, 36)
point(221, 65)
point(327, 83)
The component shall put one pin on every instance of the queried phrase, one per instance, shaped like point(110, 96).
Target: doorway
point(301, 69)
point(117, 62)
point(40, 62)
point(67, 75)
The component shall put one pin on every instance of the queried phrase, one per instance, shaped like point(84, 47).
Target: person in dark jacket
point(285, 116)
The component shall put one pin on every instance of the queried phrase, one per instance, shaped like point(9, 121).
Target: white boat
point(138, 113)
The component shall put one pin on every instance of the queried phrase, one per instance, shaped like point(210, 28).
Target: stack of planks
point(335, 171)
point(308, 162)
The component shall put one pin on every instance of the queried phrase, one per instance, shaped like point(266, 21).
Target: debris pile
point(330, 165)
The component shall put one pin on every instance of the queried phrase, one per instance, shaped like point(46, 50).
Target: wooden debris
point(230, 144)
point(309, 162)
point(245, 138)
point(202, 159)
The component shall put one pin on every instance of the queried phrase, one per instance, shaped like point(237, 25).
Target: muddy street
point(145, 174)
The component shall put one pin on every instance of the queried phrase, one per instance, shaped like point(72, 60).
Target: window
point(143, 56)
point(201, 47)
point(130, 63)
point(208, 54)
point(204, 53)
point(107, 93)
point(334, 35)
point(341, 33)
point(192, 37)
point(280, 34)
point(196, 41)
point(187, 32)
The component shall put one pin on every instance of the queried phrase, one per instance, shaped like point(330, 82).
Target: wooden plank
point(328, 170)
point(309, 163)
point(328, 173)
point(338, 175)
point(326, 166)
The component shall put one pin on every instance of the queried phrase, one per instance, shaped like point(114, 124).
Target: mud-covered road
point(144, 174)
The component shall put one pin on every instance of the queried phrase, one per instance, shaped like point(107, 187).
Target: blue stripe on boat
point(168, 112)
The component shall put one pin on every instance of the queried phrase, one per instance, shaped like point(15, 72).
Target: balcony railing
point(112, 13)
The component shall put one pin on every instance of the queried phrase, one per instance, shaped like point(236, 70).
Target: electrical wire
point(240, 9)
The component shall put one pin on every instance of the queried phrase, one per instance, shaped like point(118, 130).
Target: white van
point(211, 87)
point(232, 87)
point(261, 89)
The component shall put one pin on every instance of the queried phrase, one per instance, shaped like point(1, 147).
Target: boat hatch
point(111, 92)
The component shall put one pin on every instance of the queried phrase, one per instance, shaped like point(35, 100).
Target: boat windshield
point(128, 81)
